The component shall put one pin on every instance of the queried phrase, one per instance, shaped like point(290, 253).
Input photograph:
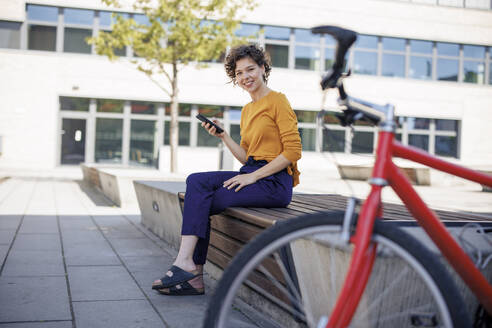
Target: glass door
point(73, 141)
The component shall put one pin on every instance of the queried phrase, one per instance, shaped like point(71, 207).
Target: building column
point(90, 133)
point(125, 153)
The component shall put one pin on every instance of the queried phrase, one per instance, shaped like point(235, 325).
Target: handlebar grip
point(345, 38)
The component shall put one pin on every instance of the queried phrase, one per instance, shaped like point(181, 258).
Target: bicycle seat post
point(388, 124)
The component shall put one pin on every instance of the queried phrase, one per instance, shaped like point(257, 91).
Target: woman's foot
point(178, 273)
point(194, 286)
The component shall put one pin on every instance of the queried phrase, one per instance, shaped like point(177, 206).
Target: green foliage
point(179, 32)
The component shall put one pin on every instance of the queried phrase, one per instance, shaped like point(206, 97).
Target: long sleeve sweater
point(269, 128)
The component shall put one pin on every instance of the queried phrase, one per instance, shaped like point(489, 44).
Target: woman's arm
point(236, 150)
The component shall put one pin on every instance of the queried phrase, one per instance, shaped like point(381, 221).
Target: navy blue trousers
point(206, 195)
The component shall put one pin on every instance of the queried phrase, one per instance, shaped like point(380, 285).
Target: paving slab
point(39, 224)
point(50, 324)
point(90, 252)
point(101, 283)
point(9, 222)
point(137, 247)
point(3, 252)
point(117, 314)
point(34, 263)
point(33, 299)
point(6, 236)
point(82, 224)
point(40, 242)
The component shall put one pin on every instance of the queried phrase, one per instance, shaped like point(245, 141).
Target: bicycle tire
point(445, 309)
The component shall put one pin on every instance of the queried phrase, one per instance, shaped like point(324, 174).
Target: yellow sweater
point(269, 128)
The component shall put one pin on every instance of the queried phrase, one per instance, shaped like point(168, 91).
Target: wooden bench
point(416, 175)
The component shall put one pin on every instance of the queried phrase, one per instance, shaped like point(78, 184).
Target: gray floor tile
point(136, 247)
point(119, 314)
point(148, 263)
point(9, 222)
point(6, 236)
point(77, 225)
point(40, 242)
point(50, 324)
point(39, 224)
point(90, 252)
point(3, 252)
point(102, 283)
point(33, 299)
point(34, 263)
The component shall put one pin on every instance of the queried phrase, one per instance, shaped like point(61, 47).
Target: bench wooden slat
point(235, 228)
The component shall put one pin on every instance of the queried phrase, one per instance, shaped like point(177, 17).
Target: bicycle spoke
point(287, 277)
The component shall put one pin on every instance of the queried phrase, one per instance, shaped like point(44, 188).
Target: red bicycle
point(340, 269)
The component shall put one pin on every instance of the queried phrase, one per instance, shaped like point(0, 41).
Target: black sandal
point(179, 276)
point(183, 289)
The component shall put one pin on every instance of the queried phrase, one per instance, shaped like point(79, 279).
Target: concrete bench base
point(418, 176)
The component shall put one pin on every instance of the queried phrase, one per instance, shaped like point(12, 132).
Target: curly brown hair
point(252, 51)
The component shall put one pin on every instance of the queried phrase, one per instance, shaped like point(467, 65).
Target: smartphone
point(206, 120)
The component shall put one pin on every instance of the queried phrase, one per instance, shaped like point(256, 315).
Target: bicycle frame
point(385, 172)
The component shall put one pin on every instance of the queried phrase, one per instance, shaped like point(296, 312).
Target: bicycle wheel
point(291, 274)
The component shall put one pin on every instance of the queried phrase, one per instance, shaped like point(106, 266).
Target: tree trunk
point(174, 128)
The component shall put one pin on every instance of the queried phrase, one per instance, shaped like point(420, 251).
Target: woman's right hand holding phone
point(212, 130)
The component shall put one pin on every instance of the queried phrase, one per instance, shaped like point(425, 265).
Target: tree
point(178, 33)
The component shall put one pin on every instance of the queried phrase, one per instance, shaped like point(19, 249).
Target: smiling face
point(249, 75)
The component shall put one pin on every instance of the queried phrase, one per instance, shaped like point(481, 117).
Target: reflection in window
point(418, 123)
point(308, 138)
point(74, 104)
point(362, 142)
point(393, 65)
point(183, 110)
point(247, 30)
point(446, 125)
point(10, 35)
point(365, 62)
point(394, 44)
point(278, 54)
point(183, 134)
point(303, 35)
point(204, 139)
point(330, 41)
point(367, 41)
point(329, 57)
point(447, 69)
point(334, 140)
point(421, 47)
point(306, 116)
point(78, 16)
point(141, 19)
point(110, 105)
point(447, 49)
point(307, 58)
point(235, 133)
point(142, 136)
point(420, 68)
point(42, 38)
point(419, 141)
point(42, 13)
point(477, 52)
point(446, 146)
point(74, 40)
point(211, 111)
point(106, 18)
point(474, 72)
point(143, 107)
point(277, 33)
point(235, 114)
point(108, 140)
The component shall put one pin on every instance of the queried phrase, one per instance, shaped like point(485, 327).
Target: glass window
point(307, 58)
point(278, 54)
point(277, 33)
point(446, 146)
point(306, 116)
point(74, 40)
point(393, 65)
point(394, 44)
point(106, 18)
point(366, 41)
point(42, 38)
point(330, 118)
point(447, 69)
point(10, 35)
point(421, 47)
point(308, 138)
point(365, 62)
point(42, 13)
point(362, 142)
point(474, 51)
point(108, 140)
point(448, 49)
point(142, 136)
point(418, 123)
point(330, 41)
point(329, 57)
point(211, 111)
point(78, 16)
point(419, 140)
point(235, 133)
point(183, 110)
point(235, 114)
point(247, 30)
point(474, 72)
point(490, 72)
point(183, 133)
point(446, 125)
point(204, 139)
point(304, 35)
point(141, 19)
point(143, 107)
point(420, 67)
point(334, 140)
point(74, 104)
point(110, 105)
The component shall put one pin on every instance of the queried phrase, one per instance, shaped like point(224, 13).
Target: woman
point(269, 149)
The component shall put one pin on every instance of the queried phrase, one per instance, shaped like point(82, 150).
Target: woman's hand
point(212, 130)
point(240, 181)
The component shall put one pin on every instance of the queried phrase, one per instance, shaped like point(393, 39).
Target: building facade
point(62, 104)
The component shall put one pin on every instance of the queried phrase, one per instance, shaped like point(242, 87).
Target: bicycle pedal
point(423, 320)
